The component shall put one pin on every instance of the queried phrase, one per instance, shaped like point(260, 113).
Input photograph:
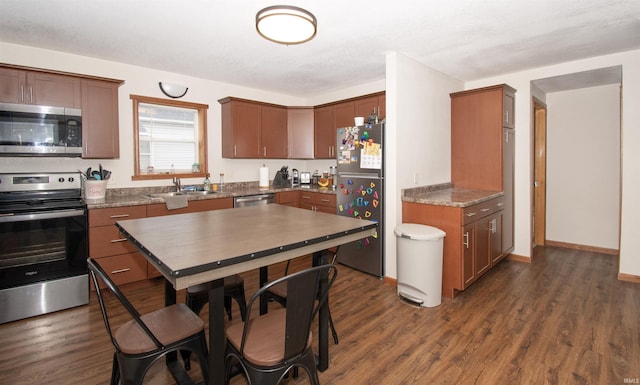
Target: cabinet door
point(274, 132)
point(508, 113)
point(382, 106)
point(476, 139)
point(483, 246)
point(468, 254)
point(300, 133)
point(54, 90)
point(508, 169)
point(364, 107)
point(495, 238)
point(343, 115)
point(12, 83)
point(324, 133)
point(100, 120)
point(245, 128)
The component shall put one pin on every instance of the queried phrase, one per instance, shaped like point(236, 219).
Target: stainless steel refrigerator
point(360, 192)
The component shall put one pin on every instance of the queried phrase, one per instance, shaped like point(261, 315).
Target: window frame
point(202, 137)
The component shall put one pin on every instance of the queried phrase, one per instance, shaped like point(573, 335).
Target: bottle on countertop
point(207, 183)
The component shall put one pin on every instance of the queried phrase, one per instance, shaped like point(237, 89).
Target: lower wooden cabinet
point(116, 254)
point(325, 203)
point(473, 243)
point(288, 198)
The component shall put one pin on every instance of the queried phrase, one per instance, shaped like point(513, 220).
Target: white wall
point(583, 166)
point(630, 214)
point(418, 150)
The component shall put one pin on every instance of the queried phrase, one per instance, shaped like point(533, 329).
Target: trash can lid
point(419, 232)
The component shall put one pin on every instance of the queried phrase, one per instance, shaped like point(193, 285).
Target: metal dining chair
point(144, 339)
point(268, 346)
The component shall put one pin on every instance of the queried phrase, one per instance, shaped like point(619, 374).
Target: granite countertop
point(140, 195)
point(446, 195)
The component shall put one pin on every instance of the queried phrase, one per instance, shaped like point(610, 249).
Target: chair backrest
point(303, 289)
point(97, 273)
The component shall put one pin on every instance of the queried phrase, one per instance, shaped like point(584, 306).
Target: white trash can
point(419, 261)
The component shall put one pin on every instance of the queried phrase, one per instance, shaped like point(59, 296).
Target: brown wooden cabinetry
point(288, 198)
point(324, 133)
point(253, 130)
point(473, 241)
point(100, 123)
point(300, 132)
point(482, 146)
point(111, 249)
point(40, 88)
point(365, 106)
point(315, 201)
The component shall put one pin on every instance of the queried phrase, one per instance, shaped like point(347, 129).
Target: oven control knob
point(61, 180)
point(71, 179)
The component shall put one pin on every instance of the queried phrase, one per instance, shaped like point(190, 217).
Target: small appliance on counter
point(305, 178)
point(295, 178)
point(281, 180)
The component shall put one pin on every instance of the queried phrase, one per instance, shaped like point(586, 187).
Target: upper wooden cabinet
point(100, 126)
point(253, 130)
point(477, 140)
point(483, 146)
point(300, 132)
point(324, 133)
point(96, 97)
point(40, 88)
point(365, 106)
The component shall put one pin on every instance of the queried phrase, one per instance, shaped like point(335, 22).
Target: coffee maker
point(295, 178)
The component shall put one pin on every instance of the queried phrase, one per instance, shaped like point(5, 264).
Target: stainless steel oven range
point(43, 244)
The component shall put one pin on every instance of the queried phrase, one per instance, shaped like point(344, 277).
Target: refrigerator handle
point(369, 175)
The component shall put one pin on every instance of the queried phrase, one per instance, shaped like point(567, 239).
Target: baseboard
point(519, 258)
point(390, 281)
point(629, 278)
point(594, 249)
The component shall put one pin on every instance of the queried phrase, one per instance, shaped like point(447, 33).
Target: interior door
point(539, 172)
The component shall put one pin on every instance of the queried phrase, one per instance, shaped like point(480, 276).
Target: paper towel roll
point(264, 177)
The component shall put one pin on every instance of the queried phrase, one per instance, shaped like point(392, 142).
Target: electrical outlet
point(415, 177)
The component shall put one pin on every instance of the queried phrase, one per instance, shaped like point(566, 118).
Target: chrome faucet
point(176, 182)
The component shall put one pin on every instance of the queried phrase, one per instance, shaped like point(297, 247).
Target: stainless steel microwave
point(29, 130)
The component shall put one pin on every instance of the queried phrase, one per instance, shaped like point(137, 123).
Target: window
point(170, 138)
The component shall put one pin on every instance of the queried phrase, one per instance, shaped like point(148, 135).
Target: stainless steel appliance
point(305, 178)
point(360, 192)
point(253, 200)
point(295, 178)
point(40, 130)
point(43, 233)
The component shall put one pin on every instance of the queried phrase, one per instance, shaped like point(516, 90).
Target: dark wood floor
point(564, 319)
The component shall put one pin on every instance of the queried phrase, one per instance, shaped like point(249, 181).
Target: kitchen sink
point(173, 194)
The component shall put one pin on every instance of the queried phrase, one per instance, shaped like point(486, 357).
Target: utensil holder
point(95, 189)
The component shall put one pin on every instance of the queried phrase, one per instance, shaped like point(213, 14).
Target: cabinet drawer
point(107, 241)
point(125, 268)
point(472, 213)
point(318, 199)
point(109, 216)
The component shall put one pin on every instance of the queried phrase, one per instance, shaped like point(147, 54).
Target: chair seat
point(169, 325)
point(264, 345)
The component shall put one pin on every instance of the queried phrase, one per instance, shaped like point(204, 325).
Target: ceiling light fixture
point(175, 91)
point(286, 24)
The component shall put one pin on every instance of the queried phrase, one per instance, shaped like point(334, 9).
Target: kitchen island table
point(195, 248)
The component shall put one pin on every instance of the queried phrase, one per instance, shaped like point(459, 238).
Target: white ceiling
point(216, 39)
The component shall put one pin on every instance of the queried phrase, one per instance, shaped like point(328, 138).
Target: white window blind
point(168, 137)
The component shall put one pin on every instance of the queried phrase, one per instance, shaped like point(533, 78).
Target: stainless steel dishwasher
point(254, 200)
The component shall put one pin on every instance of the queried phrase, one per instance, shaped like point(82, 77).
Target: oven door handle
point(5, 218)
